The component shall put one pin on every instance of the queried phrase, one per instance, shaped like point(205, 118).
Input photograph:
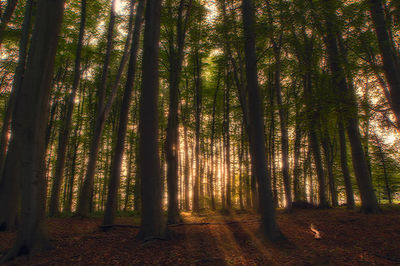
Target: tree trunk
point(152, 225)
point(66, 126)
point(269, 228)
point(391, 61)
point(385, 173)
point(9, 184)
point(328, 154)
point(176, 57)
point(349, 107)
point(109, 215)
point(87, 187)
point(296, 168)
point(29, 128)
point(312, 117)
point(344, 166)
point(227, 138)
point(198, 87)
point(284, 129)
point(211, 178)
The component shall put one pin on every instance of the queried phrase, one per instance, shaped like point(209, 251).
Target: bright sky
point(119, 6)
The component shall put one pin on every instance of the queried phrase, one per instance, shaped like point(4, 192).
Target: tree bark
point(152, 225)
point(109, 215)
point(29, 128)
point(391, 61)
point(84, 200)
point(268, 227)
point(66, 126)
point(344, 166)
point(176, 57)
point(349, 107)
point(9, 184)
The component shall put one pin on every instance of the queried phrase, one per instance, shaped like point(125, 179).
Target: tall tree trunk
point(227, 138)
point(102, 112)
point(9, 183)
point(391, 61)
point(152, 224)
point(109, 215)
point(186, 168)
point(269, 228)
point(328, 154)
point(296, 168)
point(344, 166)
point(312, 117)
point(211, 178)
point(385, 173)
point(176, 57)
point(349, 106)
point(29, 128)
point(66, 126)
point(284, 129)
point(198, 94)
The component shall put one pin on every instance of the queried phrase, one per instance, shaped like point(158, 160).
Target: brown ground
point(348, 238)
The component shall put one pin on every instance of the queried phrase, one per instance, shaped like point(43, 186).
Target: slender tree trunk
point(212, 145)
point(269, 228)
point(101, 116)
point(391, 61)
point(109, 215)
point(328, 154)
point(171, 144)
point(9, 184)
point(296, 167)
point(198, 87)
point(228, 187)
point(349, 106)
point(284, 129)
point(385, 173)
point(312, 117)
point(29, 128)
point(66, 126)
point(152, 225)
point(344, 166)
point(18, 77)
point(129, 177)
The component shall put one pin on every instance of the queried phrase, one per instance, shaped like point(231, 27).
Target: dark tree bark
point(268, 227)
point(29, 128)
point(283, 126)
point(312, 117)
point(328, 154)
point(344, 166)
point(296, 168)
point(198, 101)
point(384, 168)
point(9, 184)
point(227, 145)
point(211, 177)
point(349, 107)
point(103, 111)
point(66, 126)
point(152, 225)
point(176, 57)
point(391, 61)
point(109, 215)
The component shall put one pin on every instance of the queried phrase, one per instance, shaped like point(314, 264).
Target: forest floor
point(347, 238)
